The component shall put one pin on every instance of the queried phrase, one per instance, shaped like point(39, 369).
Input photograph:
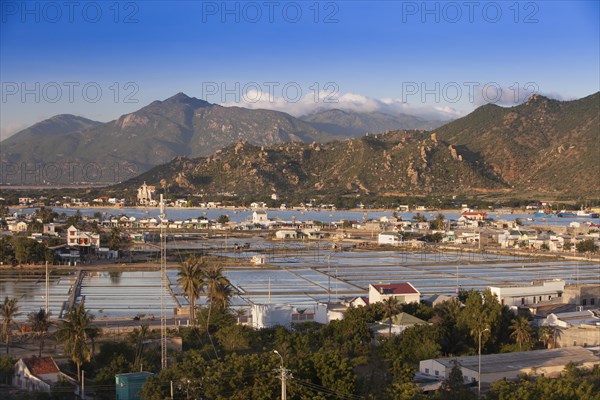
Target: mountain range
point(178, 126)
point(542, 146)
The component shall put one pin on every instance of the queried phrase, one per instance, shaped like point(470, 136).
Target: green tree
point(546, 336)
point(587, 246)
point(568, 245)
point(116, 239)
point(403, 387)
point(223, 219)
point(418, 217)
point(454, 388)
point(438, 222)
point(521, 332)
point(74, 332)
point(7, 365)
point(40, 324)
point(191, 280)
point(391, 307)
point(9, 311)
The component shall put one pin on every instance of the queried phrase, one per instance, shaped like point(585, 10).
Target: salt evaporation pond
point(301, 279)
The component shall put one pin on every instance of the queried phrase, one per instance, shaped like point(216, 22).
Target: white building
point(495, 367)
point(37, 374)
point(286, 234)
point(522, 295)
point(145, 193)
point(260, 217)
point(405, 292)
point(18, 226)
point(393, 238)
point(75, 237)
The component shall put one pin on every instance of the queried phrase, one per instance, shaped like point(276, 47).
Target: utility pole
point(479, 364)
point(83, 384)
point(163, 285)
point(283, 377)
point(47, 291)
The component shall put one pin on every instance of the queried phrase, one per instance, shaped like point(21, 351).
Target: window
point(592, 301)
point(437, 373)
point(584, 302)
point(427, 370)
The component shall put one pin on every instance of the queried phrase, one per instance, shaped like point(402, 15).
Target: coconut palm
point(190, 278)
point(74, 331)
point(547, 335)
point(218, 291)
point(391, 307)
point(138, 336)
point(40, 324)
point(521, 331)
point(9, 311)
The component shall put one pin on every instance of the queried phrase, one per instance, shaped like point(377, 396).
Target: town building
point(390, 238)
point(145, 194)
point(495, 367)
point(523, 295)
point(76, 237)
point(37, 374)
point(260, 217)
point(405, 292)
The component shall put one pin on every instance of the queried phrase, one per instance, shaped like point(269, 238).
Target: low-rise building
point(495, 367)
point(78, 238)
point(37, 374)
point(260, 217)
point(405, 292)
point(390, 238)
point(536, 292)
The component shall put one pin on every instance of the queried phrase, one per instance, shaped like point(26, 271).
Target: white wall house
point(260, 217)
point(405, 292)
point(536, 292)
point(392, 238)
point(37, 374)
point(75, 237)
point(496, 367)
point(145, 194)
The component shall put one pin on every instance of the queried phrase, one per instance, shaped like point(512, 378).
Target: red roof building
point(405, 292)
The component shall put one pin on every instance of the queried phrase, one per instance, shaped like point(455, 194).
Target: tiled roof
point(41, 365)
point(396, 288)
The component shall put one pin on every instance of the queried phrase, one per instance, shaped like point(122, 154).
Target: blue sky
point(422, 58)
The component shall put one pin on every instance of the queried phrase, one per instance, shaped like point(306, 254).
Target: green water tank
point(129, 386)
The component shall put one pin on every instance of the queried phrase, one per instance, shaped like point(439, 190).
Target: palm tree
point(391, 307)
point(9, 312)
point(547, 335)
point(521, 331)
point(138, 336)
point(74, 332)
point(190, 278)
point(218, 291)
point(40, 324)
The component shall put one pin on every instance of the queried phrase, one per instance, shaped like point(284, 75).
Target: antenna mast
point(163, 285)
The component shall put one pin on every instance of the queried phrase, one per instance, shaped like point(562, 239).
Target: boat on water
point(541, 214)
point(566, 214)
point(586, 214)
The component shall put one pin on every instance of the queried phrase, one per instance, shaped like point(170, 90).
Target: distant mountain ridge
point(355, 124)
point(155, 134)
point(541, 146)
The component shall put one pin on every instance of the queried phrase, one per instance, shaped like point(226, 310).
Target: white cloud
point(311, 102)
point(10, 128)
